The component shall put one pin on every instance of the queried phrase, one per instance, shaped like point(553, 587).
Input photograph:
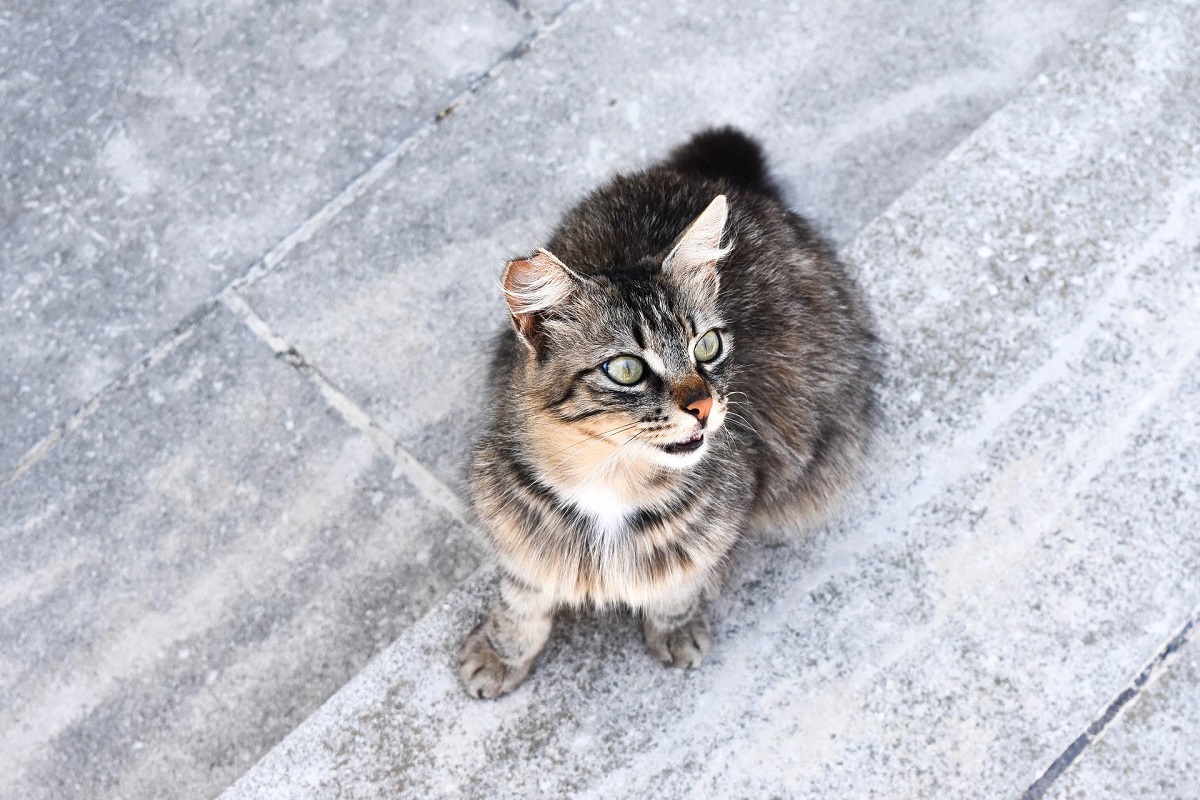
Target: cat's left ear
point(533, 287)
point(693, 260)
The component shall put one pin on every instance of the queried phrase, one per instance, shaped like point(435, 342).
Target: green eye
point(709, 347)
point(625, 370)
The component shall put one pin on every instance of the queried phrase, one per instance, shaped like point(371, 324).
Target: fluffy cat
point(687, 362)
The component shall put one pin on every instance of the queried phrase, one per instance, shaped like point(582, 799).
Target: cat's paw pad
point(484, 674)
point(684, 647)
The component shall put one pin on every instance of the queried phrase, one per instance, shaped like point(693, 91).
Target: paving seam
point(360, 185)
point(1064, 347)
point(1153, 669)
point(301, 234)
point(1160, 661)
point(417, 473)
point(165, 346)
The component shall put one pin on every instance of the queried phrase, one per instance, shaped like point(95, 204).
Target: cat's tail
point(725, 153)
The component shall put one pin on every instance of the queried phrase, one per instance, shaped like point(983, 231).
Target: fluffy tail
point(725, 153)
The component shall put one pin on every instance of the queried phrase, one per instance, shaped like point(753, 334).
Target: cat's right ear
point(533, 287)
point(692, 262)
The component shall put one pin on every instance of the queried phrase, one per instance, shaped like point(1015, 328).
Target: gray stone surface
point(228, 536)
point(542, 9)
point(853, 100)
point(1025, 540)
point(150, 151)
point(1153, 750)
point(195, 570)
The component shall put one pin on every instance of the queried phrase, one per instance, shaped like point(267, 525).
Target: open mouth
point(688, 445)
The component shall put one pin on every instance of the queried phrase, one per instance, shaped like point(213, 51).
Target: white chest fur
point(604, 507)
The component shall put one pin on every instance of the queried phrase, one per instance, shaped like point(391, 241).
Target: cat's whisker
point(606, 463)
point(585, 444)
point(595, 437)
point(572, 456)
point(645, 446)
point(744, 421)
point(588, 479)
point(588, 443)
point(729, 399)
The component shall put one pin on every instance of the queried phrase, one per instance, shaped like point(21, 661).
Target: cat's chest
point(604, 508)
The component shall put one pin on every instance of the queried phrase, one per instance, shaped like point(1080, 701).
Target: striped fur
point(584, 487)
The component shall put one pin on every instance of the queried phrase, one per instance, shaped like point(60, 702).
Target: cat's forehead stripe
point(663, 321)
point(672, 325)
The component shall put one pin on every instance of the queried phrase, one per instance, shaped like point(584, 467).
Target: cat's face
point(639, 361)
point(638, 357)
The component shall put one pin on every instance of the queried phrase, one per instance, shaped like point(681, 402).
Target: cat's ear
point(534, 286)
point(693, 260)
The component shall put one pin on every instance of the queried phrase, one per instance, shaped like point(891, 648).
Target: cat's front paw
point(684, 646)
point(484, 674)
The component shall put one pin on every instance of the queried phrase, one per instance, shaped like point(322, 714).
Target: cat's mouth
point(688, 445)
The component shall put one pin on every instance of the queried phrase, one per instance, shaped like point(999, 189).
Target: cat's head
point(638, 358)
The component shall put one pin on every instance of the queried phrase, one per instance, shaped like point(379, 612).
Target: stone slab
point(853, 100)
point(151, 151)
point(546, 10)
point(194, 570)
point(1024, 541)
point(1153, 750)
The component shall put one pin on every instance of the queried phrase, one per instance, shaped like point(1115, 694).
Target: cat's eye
point(625, 370)
point(709, 347)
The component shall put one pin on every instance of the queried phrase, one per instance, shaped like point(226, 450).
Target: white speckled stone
point(542, 9)
point(194, 571)
point(1152, 750)
point(1025, 541)
point(151, 151)
point(399, 300)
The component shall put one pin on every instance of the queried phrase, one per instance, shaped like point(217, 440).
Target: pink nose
point(700, 408)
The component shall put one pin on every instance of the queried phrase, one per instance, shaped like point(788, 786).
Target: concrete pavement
point(1019, 569)
point(249, 262)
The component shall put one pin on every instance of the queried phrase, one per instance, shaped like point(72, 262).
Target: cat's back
point(633, 219)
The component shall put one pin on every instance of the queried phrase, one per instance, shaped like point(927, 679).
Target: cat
point(687, 362)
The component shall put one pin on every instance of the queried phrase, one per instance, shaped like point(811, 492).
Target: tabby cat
point(687, 362)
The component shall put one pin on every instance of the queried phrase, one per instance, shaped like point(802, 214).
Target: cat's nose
point(700, 408)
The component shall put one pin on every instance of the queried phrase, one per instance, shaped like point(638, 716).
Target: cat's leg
point(495, 657)
point(677, 630)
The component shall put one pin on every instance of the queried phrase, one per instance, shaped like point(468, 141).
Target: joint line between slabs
point(273, 257)
point(410, 466)
point(364, 182)
point(182, 332)
point(1129, 694)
